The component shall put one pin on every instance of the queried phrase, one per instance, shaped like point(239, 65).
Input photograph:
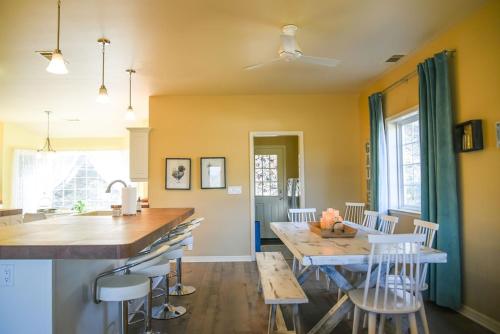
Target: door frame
point(252, 136)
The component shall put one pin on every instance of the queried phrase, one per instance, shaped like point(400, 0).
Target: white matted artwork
point(178, 174)
point(213, 173)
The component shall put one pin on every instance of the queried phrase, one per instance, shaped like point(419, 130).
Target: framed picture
point(213, 173)
point(178, 174)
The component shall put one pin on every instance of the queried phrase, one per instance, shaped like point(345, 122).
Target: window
point(85, 185)
point(59, 180)
point(266, 175)
point(404, 162)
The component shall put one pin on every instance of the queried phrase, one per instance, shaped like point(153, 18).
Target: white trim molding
point(236, 258)
point(480, 318)
point(255, 134)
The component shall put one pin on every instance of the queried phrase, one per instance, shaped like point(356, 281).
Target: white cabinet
point(139, 154)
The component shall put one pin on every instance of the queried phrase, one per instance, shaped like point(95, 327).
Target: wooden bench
point(279, 287)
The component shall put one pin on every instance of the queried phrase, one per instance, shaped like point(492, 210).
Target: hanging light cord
point(130, 89)
point(58, 22)
point(103, 52)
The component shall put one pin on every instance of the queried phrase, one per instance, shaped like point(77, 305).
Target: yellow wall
point(1, 162)
point(196, 126)
point(291, 144)
point(15, 136)
point(476, 67)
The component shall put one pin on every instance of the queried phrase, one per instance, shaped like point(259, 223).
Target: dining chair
point(429, 230)
point(354, 212)
point(302, 215)
point(401, 252)
point(296, 216)
point(387, 224)
point(370, 219)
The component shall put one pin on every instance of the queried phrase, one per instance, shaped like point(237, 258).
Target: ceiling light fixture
point(130, 115)
point(47, 147)
point(103, 92)
point(57, 65)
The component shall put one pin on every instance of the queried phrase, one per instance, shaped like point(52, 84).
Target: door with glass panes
point(270, 203)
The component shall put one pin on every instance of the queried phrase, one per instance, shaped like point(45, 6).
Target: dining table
point(329, 255)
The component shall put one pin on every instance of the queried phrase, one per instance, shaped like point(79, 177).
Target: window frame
point(394, 126)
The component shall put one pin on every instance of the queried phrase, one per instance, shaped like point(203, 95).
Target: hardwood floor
point(226, 301)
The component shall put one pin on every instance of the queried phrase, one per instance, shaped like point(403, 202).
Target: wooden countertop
point(10, 212)
point(88, 237)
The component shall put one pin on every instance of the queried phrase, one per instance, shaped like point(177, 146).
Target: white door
point(270, 203)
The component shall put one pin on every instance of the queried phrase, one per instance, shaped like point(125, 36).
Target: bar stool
point(180, 289)
point(109, 287)
point(166, 310)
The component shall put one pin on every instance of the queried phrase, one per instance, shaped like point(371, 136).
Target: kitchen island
point(47, 268)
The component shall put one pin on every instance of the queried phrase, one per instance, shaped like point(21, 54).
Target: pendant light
point(47, 147)
point(130, 115)
point(103, 92)
point(56, 64)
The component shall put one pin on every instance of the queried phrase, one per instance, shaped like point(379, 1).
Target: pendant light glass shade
point(103, 95)
point(130, 115)
point(56, 64)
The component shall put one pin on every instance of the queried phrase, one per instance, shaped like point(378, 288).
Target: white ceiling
point(196, 47)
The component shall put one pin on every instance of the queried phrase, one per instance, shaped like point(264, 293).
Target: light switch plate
point(234, 190)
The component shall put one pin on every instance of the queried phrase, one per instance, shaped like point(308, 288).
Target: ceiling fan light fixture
point(57, 64)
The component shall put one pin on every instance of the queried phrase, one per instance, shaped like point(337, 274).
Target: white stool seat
point(120, 288)
point(173, 254)
point(399, 305)
point(160, 268)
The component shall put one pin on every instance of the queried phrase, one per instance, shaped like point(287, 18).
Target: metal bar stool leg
point(124, 317)
point(166, 310)
point(179, 289)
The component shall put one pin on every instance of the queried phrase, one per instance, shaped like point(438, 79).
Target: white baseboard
point(480, 318)
point(237, 258)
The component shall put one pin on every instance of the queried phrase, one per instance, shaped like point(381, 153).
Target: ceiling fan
point(290, 51)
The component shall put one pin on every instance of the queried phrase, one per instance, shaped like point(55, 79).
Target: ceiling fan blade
point(330, 62)
point(252, 67)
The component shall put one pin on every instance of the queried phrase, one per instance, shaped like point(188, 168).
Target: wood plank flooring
point(227, 301)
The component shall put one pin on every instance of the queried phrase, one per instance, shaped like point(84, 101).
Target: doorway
point(277, 181)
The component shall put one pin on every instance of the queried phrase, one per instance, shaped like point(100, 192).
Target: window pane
point(273, 161)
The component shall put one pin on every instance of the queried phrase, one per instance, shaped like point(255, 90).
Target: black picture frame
point(169, 177)
point(223, 159)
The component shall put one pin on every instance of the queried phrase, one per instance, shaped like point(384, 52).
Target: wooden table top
point(88, 237)
point(311, 249)
point(10, 212)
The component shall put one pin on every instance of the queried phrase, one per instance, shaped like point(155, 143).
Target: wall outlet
point(234, 190)
point(6, 275)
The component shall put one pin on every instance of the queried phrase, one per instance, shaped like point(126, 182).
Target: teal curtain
point(378, 155)
point(439, 177)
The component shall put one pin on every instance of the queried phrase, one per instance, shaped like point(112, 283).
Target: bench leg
point(272, 319)
point(297, 321)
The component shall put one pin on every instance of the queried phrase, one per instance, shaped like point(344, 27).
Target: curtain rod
point(408, 76)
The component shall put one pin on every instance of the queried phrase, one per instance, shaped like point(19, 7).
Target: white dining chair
point(429, 230)
point(302, 215)
point(401, 252)
point(387, 224)
point(297, 216)
point(370, 219)
point(354, 212)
